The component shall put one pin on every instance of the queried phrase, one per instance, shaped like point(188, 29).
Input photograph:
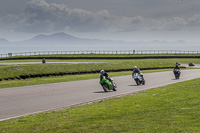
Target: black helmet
point(177, 63)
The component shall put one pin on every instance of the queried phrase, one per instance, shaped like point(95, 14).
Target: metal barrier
point(99, 52)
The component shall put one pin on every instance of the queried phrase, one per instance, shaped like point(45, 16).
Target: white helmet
point(102, 71)
point(135, 67)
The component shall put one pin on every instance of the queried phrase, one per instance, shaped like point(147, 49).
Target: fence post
point(9, 54)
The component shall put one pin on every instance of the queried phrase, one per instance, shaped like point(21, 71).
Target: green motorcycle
point(107, 85)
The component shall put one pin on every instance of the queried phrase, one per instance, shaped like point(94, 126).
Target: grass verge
point(173, 108)
point(11, 71)
point(45, 80)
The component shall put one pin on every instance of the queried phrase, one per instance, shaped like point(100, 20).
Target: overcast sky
point(132, 20)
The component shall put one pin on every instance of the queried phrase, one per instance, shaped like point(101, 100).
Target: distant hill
point(57, 38)
point(54, 37)
point(66, 39)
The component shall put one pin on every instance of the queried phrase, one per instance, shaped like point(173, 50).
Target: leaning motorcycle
point(177, 73)
point(108, 85)
point(138, 78)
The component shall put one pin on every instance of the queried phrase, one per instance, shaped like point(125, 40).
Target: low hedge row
point(77, 73)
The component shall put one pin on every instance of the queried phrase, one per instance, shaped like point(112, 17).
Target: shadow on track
point(132, 85)
point(103, 91)
point(99, 92)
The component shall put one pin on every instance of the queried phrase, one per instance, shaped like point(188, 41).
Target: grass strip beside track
point(46, 80)
point(17, 70)
point(173, 108)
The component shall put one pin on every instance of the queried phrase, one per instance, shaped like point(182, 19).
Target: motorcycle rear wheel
point(143, 82)
point(114, 87)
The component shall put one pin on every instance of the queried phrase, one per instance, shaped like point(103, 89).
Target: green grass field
point(16, 70)
point(46, 80)
point(173, 108)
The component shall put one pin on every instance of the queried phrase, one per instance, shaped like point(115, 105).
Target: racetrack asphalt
point(186, 65)
point(22, 101)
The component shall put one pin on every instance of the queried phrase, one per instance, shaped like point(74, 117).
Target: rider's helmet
point(102, 71)
point(134, 68)
point(177, 63)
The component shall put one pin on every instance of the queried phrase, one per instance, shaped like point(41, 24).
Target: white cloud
point(40, 16)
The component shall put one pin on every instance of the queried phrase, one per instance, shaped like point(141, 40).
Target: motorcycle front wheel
point(105, 87)
point(137, 82)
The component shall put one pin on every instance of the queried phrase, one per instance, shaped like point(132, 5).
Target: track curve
point(22, 101)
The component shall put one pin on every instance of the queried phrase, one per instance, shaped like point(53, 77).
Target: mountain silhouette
point(54, 37)
point(66, 39)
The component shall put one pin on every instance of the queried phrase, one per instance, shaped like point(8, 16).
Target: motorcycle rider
point(105, 74)
point(177, 63)
point(177, 67)
point(137, 70)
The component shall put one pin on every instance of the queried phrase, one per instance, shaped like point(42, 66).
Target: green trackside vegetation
point(173, 108)
point(17, 70)
point(66, 78)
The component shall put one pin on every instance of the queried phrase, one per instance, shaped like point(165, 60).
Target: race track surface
point(22, 101)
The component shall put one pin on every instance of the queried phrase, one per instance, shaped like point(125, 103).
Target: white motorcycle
point(138, 78)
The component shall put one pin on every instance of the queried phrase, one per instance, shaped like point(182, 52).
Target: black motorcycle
point(177, 73)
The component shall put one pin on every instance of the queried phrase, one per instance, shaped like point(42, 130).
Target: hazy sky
point(133, 20)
